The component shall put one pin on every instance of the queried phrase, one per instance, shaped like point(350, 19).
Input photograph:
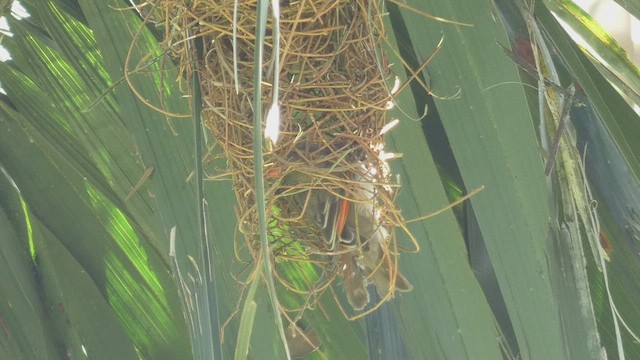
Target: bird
point(347, 219)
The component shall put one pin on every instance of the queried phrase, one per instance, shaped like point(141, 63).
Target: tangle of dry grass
point(333, 98)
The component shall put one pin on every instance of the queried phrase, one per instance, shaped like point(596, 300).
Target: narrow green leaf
point(620, 119)
point(490, 130)
point(246, 318)
point(611, 57)
point(447, 314)
point(24, 322)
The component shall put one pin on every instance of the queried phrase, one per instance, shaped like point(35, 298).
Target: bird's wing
point(329, 209)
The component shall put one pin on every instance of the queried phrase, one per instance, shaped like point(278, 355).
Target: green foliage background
point(86, 260)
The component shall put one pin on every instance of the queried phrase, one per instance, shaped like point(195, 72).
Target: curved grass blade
point(258, 166)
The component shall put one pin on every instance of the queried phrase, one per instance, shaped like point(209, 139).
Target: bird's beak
point(355, 283)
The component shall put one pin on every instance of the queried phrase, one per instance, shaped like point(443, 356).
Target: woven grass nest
point(333, 99)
